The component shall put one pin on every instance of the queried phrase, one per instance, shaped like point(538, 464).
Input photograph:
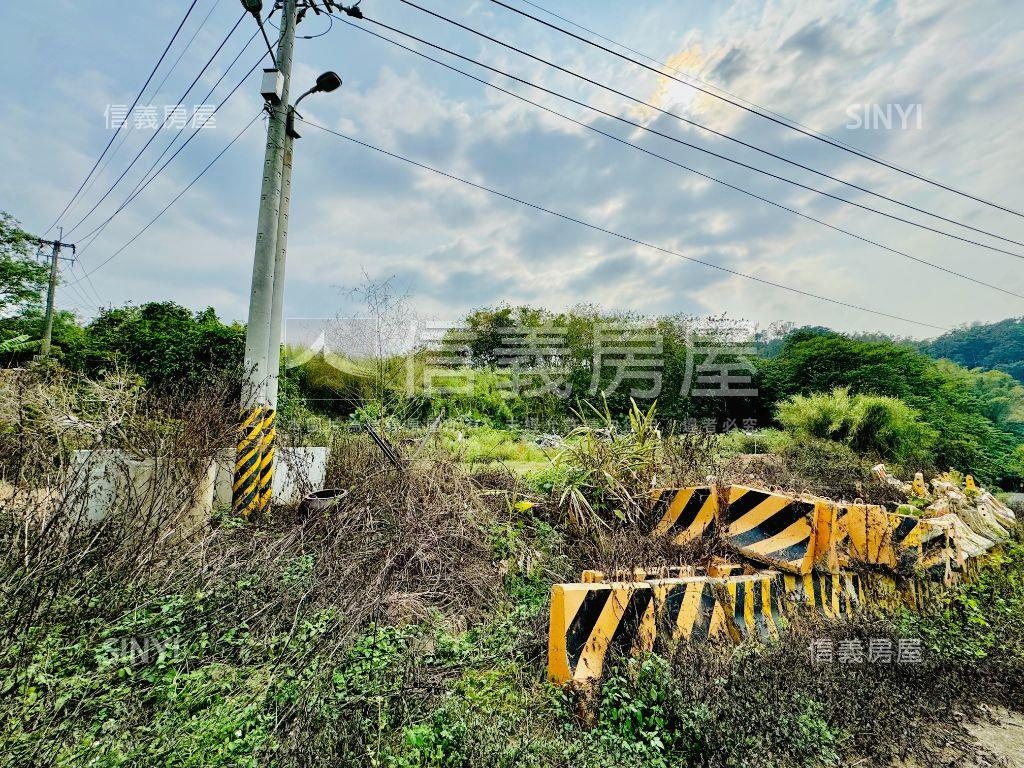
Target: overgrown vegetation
point(405, 627)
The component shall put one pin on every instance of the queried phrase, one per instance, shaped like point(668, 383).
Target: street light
point(325, 83)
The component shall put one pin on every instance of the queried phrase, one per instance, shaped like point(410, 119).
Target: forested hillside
point(996, 346)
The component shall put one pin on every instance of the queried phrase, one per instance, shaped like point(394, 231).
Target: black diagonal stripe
point(780, 584)
point(583, 622)
point(794, 553)
point(741, 599)
point(706, 609)
point(841, 533)
point(774, 525)
point(673, 604)
point(907, 524)
point(626, 634)
point(744, 504)
point(816, 601)
point(689, 512)
point(775, 598)
point(662, 504)
point(759, 607)
point(829, 590)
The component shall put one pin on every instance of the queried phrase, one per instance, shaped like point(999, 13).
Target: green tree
point(814, 361)
point(166, 343)
point(998, 346)
point(22, 278)
point(69, 338)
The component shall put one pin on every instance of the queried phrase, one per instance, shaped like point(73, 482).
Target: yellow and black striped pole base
point(266, 473)
point(245, 498)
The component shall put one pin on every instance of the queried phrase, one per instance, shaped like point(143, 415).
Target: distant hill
point(997, 346)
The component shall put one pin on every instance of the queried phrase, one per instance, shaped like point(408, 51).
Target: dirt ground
point(1002, 739)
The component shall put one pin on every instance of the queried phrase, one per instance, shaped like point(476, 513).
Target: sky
point(947, 74)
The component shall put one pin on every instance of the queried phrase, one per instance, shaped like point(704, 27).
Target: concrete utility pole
point(261, 294)
point(253, 478)
point(51, 293)
point(277, 306)
point(266, 480)
point(254, 461)
point(325, 83)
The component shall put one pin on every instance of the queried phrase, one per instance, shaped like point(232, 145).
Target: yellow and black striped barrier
point(757, 605)
point(869, 535)
point(832, 595)
point(890, 592)
point(865, 536)
point(591, 621)
point(780, 531)
point(245, 489)
point(690, 609)
point(686, 514)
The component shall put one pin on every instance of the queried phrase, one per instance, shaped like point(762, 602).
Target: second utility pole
point(258, 415)
point(51, 294)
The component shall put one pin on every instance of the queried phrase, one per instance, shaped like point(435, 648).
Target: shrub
point(884, 427)
point(610, 475)
point(760, 441)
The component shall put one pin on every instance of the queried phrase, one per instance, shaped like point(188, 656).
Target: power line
point(175, 137)
point(81, 289)
point(188, 45)
point(723, 135)
point(134, 103)
point(176, 198)
point(764, 115)
point(89, 283)
point(674, 162)
point(619, 235)
point(689, 75)
point(99, 230)
point(156, 133)
point(124, 136)
point(141, 185)
point(80, 294)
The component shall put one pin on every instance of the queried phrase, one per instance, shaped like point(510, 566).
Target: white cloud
point(457, 247)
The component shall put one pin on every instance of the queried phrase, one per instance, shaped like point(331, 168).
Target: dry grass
point(401, 546)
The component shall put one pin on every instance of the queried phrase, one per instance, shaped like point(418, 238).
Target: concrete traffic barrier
point(868, 535)
point(591, 621)
point(832, 595)
point(686, 514)
point(864, 535)
point(756, 603)
point(109, 481)
point(690, 609)
point(783, 532)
